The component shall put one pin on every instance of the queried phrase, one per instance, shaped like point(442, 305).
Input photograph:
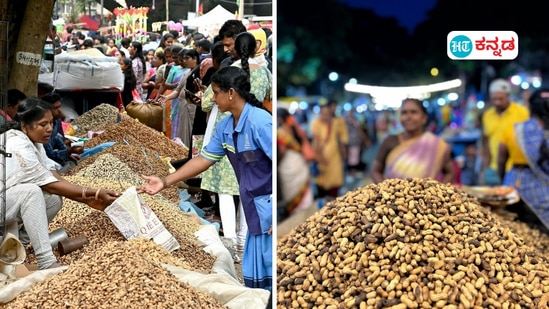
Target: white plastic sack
point(222, 284)
point(12, 290)
point(82, 71)
point(12, 253)
point(226, 290)
point(134, 218)
point(224, 262)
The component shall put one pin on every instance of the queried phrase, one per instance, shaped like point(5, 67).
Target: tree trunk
point(30, 46)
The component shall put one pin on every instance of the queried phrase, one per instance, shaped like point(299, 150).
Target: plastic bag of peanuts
point(134, 218)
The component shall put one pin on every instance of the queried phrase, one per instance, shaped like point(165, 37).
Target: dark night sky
point(408, 12)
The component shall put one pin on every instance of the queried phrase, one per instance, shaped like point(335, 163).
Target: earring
point(230, 97)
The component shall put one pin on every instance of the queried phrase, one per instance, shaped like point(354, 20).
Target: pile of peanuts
point(107, 166)
point(126, 163)
point(138, 134)
point(531, 235)
point(96, 119)
point(116, 275)
point(408, 243)
point(81, 220)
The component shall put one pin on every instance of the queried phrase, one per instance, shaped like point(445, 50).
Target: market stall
point(116, 269)
point(210, 22)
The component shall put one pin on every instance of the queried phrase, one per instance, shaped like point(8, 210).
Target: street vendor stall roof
point(89, 22)
point(217, 15)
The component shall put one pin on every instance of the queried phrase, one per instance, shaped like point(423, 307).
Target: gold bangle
point(84, 189)
point(97, 193)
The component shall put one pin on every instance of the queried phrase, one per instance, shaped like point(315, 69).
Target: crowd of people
point(512, 151)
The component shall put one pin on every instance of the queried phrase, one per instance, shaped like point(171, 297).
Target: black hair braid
point(244, 61)
point(235, 78)
point(250, 98)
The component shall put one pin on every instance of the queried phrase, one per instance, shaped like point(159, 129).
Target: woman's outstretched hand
point(154, 185)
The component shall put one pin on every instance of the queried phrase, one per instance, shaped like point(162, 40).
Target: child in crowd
point(469, 163)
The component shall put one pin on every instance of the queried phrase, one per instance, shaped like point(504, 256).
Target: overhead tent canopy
point(217, 15)
point(89, 22)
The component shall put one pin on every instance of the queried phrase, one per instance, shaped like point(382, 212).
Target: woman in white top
point(33, 187)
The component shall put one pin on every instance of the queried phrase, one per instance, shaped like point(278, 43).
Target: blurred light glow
point(536, 82)
point(452, 96)
point(524, 85)
point(347, 107)
point(316, 109)
point(434, 72)
point(441, 101)
point(379, 107)
point(362, 108)
point(293, 107)
point(353, 81)
point(392, 96)
point(303, 105)
point(426, 104)
point(333, 76)
point(389, 100)
point(480, 104)
point(516, 80)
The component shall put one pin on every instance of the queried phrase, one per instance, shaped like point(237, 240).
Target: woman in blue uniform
point(245, 137)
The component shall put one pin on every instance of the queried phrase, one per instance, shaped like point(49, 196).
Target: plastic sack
point(12, 252)
point(150, 114)
point(189, 207)
point(67, 128)
point(134, 218)
point(10, 291)
point(222, 283)
point(95, 150)
point(92, 134)
point(80, 71)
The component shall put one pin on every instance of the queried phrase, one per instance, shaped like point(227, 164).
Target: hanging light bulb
point(152, 7)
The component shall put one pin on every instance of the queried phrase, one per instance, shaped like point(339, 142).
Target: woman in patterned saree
point(527, 145)
point(414, 153)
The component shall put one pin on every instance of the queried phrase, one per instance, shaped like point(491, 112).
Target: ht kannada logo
point(461, 46)
point(482, 45)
